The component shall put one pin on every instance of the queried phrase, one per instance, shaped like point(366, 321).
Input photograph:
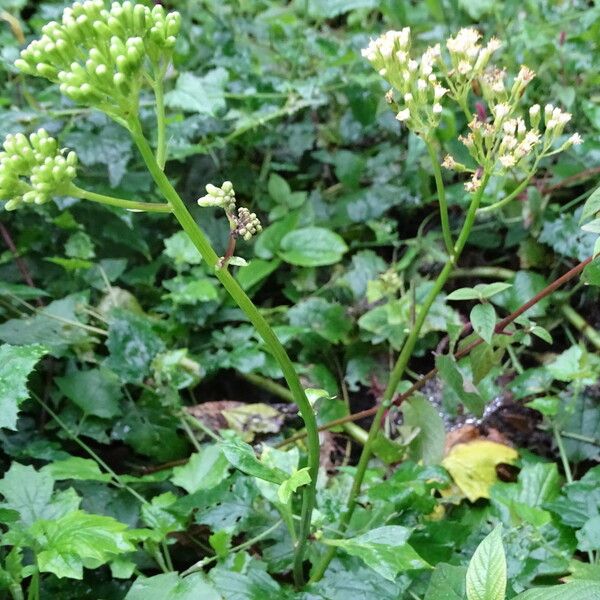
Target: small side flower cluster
point(420, 91)
point(97, 55)
point(34, 169)
point(242, 223)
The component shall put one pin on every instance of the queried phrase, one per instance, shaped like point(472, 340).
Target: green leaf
point(327, 319)
point(254, 584)
point(289, 486)
point(577, 590)
point(80, 245)
point(428, 446)
point(75, 467)
point(384, 549)
point(447, 583)
point(312, 247)
point(133, 345)
point(591, 206)
point(476, 9)
point(16, 363)
point(486, 573)
point(242, 457)
point(78, 540)
point(483, 319)
point(180, 249)
point(190, 290)
point(204, 95)
point(567, 365)
point(465, 293)
point(328, 9)
point(488, 290)
point(278, 188)
point(171, 586)
point(464, 389)
point(97, 391)
point(203, 471)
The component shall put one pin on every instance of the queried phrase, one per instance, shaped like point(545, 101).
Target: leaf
point(97, 391)
point(78, 540)
point(170, 586)
point(133, 345)
point(278, 188)
point(203, 471)
point(289, 486)
point(476, 9)
point(328, 9)
point(327, 319)
point(465, 293)
point(180, 249)
point(447, 583)
point(464, 389)
point(577, 590)
point(428, 446)
point(483, 319)
point(242, 457)
point(488, 290)
point(255, 584)
point(591, 206)
point(75, 467)
point(204, 95)
point(473, 466)
point(312, 247)
point(16, 363)
point(486, 573)
point(567, 365)
point(384, 549)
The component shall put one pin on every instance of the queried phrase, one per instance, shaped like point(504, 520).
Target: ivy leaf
point(204, 95)
point(171, 586)
point(97, 391)
point(312, 247)
point(483, 319)
point(486, 573)
point(78, 540)
point(16, 363)
point(384, 549)
point(203, 471)
point(242, 457)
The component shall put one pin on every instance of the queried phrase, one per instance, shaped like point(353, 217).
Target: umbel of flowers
point(99, 56)
point(33, 170)
point(503, 136)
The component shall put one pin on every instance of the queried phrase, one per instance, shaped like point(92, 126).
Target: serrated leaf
point(312, 247)
point(385, 550)
point(204, 95)
point(170, 586)
point(483, 320)
point(16, 363)
point(78, 540)
point(486, 573)
point(77, 468)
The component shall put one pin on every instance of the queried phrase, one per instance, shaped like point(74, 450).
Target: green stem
point(563, 454)
point(513, 194)
point(441, 193)
point(111, 201)
point(161, 142)
point(398, 372)
point(262, 326)
point(581, 325)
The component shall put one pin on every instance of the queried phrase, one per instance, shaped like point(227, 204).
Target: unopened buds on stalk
point(34, 169)
point(243, 224)
point(98, 56)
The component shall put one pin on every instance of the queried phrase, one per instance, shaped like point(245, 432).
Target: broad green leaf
point(289, 486)
point(254, 584)
point(483, 320)
point(465, 293)
point(190, 290)
point(428, 446)
point(329, 9)
point(463, 388)
point(476, 9)
point(180, 249)
point(202, 95)
point(78, 540)
point(591, 206)
point(256, 272)
point(312, 247)
point(203, 471)
point(576, 590)
point(327, 319)
point(384, 549)
point(486, 573)
point(81, 469)
point(171, 586)
point(96, 392)
point(133, 344)
point(157, 515)
point(568, 365)
point(488, 290)
point(80, 245)
point(278, 188)
point(16, 363)
point(242, 457)
point(447, 583)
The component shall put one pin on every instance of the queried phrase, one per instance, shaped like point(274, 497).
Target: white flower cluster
point(221, 197)
point(420, 91)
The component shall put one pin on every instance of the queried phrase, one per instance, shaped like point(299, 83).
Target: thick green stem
point(277, 350)
point(119, 202)
point(441, 194)
point(397, 373)
point(161, 128)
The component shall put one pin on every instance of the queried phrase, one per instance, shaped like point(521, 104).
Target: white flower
point(473, 184)
point(507, 161)
point(464, 67)
point(413, 65)
point(408, 97)
point(575, 140)
point(501, 110)
point(437, 108)
point(534, 111)
point(449, 162)
point(383, 72)
point(525, 74)
point(464, 41)
point(493, 45)
point(439, 91)
point(421, 85)
point(403, 115)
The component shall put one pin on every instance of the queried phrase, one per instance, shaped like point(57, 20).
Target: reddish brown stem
point(502, 324)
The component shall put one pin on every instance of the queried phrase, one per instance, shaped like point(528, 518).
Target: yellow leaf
point(473, 466)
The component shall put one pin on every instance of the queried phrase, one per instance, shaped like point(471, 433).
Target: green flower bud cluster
point(97, 55)
point(223, 197)
point(34, 169)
